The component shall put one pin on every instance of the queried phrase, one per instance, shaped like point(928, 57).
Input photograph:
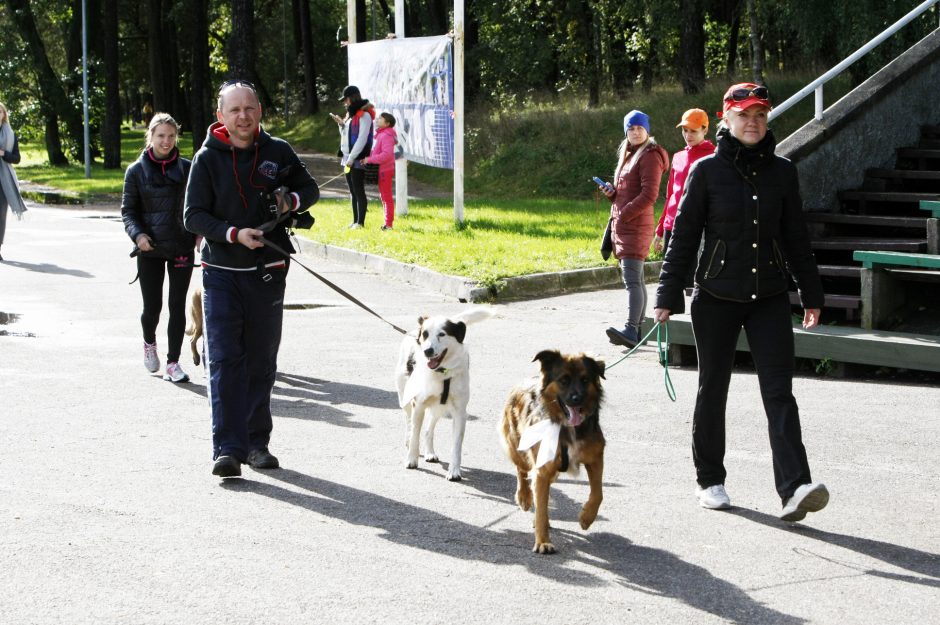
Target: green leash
point(662, 335)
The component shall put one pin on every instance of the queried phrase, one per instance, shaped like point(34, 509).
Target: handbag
point(372, 173)
point(607, 244)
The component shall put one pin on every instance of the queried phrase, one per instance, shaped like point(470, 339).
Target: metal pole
point(85, 90)
point(351, 21)
point(458, 108)
point(820, 107)
point(401, 164)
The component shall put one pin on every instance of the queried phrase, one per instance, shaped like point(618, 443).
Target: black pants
point(151, 272)
point(356, 180)
point(767, 324)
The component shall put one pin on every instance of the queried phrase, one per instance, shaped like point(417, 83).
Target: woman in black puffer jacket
point(745, 201)
point(152, 210)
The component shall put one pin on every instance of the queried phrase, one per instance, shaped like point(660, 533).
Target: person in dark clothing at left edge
point(242, 185)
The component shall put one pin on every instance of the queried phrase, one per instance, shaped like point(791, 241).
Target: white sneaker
point(714, 497)
point(151, 360)
point(807, 498)
point(175, 373)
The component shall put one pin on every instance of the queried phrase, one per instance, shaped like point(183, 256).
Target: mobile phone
point(602, 183)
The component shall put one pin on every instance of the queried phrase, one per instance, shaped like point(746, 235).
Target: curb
point(531, 286)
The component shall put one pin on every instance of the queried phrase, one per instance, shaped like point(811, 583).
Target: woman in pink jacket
point(383, 155)
point(694, 126)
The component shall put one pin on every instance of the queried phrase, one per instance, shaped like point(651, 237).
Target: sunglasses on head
point(236, 82)
point(739, 95)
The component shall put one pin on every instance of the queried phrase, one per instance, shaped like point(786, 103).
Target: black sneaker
point(227, 466)
point(262, 459)
point(627, 337)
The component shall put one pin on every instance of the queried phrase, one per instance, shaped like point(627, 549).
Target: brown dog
point(195, 328)
point(567, 398)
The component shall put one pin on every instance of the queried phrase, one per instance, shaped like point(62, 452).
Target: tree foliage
point(174, 53)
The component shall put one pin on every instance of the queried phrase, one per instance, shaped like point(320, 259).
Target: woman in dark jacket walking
point(745, 200)
point(641, 163)
point(152, 210)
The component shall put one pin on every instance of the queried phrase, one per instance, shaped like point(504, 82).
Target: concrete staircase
point(883, 214)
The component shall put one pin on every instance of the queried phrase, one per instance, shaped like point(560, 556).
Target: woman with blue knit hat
point(641, 163)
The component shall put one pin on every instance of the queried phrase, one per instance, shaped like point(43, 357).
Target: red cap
point(746, 97)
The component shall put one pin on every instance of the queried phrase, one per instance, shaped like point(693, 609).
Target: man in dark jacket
point(745, 200)
point(242, 184)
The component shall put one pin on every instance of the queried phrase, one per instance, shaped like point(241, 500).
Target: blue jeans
point(243, 318)
point(632, 274)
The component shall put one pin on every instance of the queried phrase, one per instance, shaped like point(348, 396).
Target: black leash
point(268, 226)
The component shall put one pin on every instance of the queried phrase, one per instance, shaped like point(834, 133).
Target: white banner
point(413, 80)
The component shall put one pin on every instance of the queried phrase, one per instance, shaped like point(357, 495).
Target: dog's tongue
point(574, 415)
point(434, 363)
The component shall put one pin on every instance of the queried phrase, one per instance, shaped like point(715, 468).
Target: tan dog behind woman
point(195, 328)
point(551, 425)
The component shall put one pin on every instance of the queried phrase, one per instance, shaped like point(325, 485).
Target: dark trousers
point(769, 330)
point(243, 318)
point(356, 180)
point(151, 272)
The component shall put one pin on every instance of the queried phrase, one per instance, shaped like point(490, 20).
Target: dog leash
point(268, 226)
point(662, 335)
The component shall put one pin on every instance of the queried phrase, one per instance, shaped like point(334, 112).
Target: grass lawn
point(498, 239)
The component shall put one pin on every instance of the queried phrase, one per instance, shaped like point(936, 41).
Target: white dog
point(433, 375)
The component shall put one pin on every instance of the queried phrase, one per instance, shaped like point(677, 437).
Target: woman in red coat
point(640, 167)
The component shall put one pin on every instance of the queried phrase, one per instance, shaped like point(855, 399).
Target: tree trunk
point(692, 47)
point(111, 132)
point(52, 99)
point(311, 102)
point(200, 91)
point(649, 67)
point(156, 59)
point(757, 48)
point(241, 43)
point(297, 41)
point(389, 16)
point(472, 51)
point(361, 34)
point(735, 31)
point(589, 38)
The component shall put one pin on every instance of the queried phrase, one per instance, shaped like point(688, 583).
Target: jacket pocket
point(716, 262)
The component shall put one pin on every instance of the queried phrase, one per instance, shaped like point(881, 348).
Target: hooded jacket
point(746, 201)
point(383, 151)
point(152, 204)
point(632, 208)
point(231, 188)
point(681, 163)
point(356, 133)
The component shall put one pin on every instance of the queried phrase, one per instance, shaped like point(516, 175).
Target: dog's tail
point(475, 314)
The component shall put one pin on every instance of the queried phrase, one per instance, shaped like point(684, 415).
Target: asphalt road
point(109, 513)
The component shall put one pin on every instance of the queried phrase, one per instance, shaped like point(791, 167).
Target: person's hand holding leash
point(661, 314)
point(250, 238)
point(810, 318)
point(144, 243)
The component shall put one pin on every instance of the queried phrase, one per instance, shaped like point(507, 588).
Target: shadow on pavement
point(647, 570)
point(48, 268)
point(914, 560)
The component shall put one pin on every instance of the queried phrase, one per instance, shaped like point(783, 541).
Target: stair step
point(840, 271)
point(918, 153)
point(929, 144)
point(889, 196)
point(849, 302)
point(904, 174)
point(870, 243)
point(884, 221)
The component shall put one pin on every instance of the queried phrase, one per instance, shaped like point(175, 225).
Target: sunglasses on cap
point(236, 82)
point(739, 95)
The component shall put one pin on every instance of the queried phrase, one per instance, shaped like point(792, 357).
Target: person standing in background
point(355, 131)
point(9, 184)
point(383, 155)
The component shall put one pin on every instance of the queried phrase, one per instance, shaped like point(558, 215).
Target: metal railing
point(817, 85)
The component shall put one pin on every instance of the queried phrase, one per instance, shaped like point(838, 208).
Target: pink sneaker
point(175, 373)
point(151, 360)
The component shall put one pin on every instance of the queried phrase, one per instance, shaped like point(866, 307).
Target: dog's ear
point(457, 330)
point(596, 367)
point(421, 321)
point(548, 358)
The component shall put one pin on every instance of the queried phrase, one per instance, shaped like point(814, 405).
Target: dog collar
point(443, 370)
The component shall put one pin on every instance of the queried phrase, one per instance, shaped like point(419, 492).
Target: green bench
point(836, 344)
point(881, 291)
point(933, 225)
